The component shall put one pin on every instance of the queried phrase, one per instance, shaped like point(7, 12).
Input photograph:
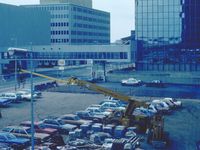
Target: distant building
point(129, 40)
point(21, 26)
point(84, 3)
point(71, 23)
point(168, 35)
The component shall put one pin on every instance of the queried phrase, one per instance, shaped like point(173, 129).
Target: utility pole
point(15, 72)
point(32, 101)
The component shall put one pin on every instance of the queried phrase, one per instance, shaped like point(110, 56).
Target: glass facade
point(167, 31)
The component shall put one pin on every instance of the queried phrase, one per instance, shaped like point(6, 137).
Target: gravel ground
point(52, 104)
point(183, 125)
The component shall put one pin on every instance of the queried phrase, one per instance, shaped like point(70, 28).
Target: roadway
point(83, 72)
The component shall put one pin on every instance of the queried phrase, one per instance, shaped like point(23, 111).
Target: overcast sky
point(122, 14)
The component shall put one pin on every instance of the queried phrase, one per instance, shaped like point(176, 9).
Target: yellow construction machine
point(155, 124)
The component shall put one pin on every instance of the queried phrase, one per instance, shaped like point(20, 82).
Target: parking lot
point(183, 125)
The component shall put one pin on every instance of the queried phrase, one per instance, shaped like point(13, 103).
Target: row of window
point(95, 41)
point(77, 17)
point(79, 25)
point(51, 8)
point(59, 16)
point(59, 40)
point(89, 11)
point(63, 32)
point(59, 24)
point(159, 2)
point(82, 55)
point(89, 33)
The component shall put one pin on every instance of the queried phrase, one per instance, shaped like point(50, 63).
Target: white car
point(174, 101)
point(161, 106)
point(153, 109)
point(97, 111)
point(141, 111)
point(26, 95)
point(14, 97)
point(131, 82)
point(111, 106)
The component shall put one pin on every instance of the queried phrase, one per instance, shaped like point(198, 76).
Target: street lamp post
point(15, 73)
point(32, 101)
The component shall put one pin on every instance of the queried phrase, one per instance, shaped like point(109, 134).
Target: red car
point(39, 128)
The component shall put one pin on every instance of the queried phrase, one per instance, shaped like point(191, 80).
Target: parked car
point(118, 102)
point(37, 94)
point(153, 109)
point(4, 102)
point(98, 138)
point(25, 132)
point(88, 116)
point(14, 97)
point(74, 119)
point(111, 106)
point(39, 127)
point(4, 146)
point(131, 82)
point(25, 95)
point(173, 101)
point(62, 127)
point(144, 112)
point(13, 141)
point(155, 83)
point(97, 111)
point(161, 106)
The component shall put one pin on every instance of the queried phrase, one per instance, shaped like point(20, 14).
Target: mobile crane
point(156, 124)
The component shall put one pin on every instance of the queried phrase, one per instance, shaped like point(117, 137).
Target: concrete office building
point(19, 26)
point(84, 3)
point(168, 35)
point(75, 24)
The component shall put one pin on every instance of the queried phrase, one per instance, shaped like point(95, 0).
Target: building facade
point(84, 3)
point(168, 35)
point(48, 55)
point(21, 26)
point(75, 24)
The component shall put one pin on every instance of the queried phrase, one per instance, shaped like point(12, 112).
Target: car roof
point(69, 115)
point(17, 127)
point(109, 103)
point(9, 93)
point(29, 122)
point(4, 133)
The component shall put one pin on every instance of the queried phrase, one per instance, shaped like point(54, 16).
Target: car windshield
point(76, 118)
point(61, 122)
point(10, 136)
point(28, 130)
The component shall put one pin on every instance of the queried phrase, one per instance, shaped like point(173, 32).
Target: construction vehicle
point(155, 124)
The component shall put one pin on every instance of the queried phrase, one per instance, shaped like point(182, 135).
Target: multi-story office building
point(84, 3)
point(19, 26)
point(167, 34)
point(75, 24)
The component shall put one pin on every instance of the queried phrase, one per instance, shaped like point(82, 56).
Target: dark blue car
point(4, 102)
point(13, 141)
